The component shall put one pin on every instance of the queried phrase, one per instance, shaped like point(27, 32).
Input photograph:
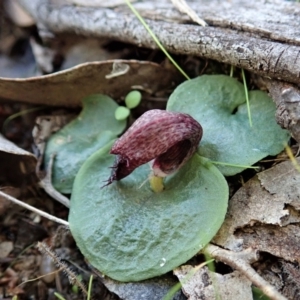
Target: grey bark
point(287, 99)
point(262, 37)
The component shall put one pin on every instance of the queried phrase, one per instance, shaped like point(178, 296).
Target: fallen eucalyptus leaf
point(130, 233)
point(217, 102)
point(264, 214)
point(73, 144)
point(208, 285)
point(69, 87)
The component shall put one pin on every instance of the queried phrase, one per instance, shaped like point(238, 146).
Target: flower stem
point(156, 183)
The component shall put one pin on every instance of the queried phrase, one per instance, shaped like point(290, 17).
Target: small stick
point(46, 184)
point(241, 261)
point(33, 209)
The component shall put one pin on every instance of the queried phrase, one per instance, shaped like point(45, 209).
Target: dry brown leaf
point(264, 214)
point(69, 87)
point(282, 179)
point(207, 285)
point(280, 241)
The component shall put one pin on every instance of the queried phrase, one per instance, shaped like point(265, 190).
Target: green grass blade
point(59, 296)
point(231, 71)
point(18, 114)
point(156, 39)
point(233, 165)
point(292, 158)
point(90, 288)
point(247, 97)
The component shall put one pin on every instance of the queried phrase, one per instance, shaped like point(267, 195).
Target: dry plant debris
point(58, 88)
point(264, 214)
point(261, 231)
point(208, 285)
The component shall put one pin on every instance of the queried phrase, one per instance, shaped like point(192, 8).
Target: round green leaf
point(92, 129)
point(217, 102)
point(133, 99)
point(122, 113)
point(130, 233)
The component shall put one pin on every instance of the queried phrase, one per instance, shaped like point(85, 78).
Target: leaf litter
point(208, 285)
point(69, 87)
point(267, 207)
point(253, 221)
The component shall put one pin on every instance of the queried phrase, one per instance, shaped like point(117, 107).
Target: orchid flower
point(163, 138)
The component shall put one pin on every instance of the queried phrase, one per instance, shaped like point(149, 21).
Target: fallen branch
point(261, 50)
point(241, 261)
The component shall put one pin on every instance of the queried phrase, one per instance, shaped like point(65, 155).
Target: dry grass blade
point(183, 7)
point(33, 209)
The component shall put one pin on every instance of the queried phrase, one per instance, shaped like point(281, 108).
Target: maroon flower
point(167, 138)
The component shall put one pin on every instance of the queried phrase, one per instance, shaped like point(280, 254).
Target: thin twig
point(33, 209)
point(241, 261)
point(46, 184)
point(72, 276)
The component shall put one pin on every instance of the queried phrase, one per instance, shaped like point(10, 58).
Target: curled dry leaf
point(69, 87)
point(264, 214)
